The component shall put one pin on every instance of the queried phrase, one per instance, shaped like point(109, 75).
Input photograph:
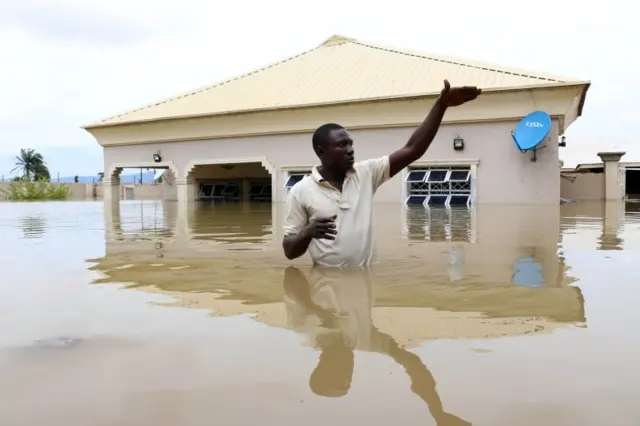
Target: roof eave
point(584, 83)
point(583, 98)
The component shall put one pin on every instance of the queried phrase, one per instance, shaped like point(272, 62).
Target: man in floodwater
point(330, 212)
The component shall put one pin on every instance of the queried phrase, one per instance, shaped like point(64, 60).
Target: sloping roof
point(339, 70)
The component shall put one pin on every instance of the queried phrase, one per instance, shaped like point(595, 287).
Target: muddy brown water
point(151, 313)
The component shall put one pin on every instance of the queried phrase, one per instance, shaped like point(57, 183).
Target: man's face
point(338, 151)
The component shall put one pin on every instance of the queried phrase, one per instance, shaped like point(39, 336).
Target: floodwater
point(148, 313)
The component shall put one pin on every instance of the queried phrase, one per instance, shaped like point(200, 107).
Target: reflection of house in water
point(527, 272)
point(604, 218)
point(439, 223)
point(423, 288)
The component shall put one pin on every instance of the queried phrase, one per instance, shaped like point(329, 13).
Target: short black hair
point(321, 135)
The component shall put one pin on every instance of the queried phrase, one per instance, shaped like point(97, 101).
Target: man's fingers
point(325, 219)
point(325, 226)
point(447, 86)
point(330, 228)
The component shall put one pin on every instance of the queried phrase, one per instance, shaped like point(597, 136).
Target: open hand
point(455, 96)
point(322, 228)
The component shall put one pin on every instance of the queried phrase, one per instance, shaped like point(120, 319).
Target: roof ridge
point(210, 86)
point(335, 42)
point(461, 62)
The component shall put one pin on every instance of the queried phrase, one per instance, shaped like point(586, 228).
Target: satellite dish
point(531, 132)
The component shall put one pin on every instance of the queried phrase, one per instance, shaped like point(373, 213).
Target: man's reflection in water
point(334, 307)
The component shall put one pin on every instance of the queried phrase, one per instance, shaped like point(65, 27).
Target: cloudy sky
point(69, 62)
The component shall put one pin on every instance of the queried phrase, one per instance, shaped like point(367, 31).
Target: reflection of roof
point(339, 70)
point(408, 326)
point(231, 287)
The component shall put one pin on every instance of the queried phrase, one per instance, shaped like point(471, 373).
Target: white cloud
point(69, 62)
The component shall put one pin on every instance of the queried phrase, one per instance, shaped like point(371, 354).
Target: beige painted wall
point(504, 175)
point(82, 191)
point(585, 187)
point(140, 192)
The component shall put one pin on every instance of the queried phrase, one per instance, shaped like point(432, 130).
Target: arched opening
point(139, 182)
point(235, 182)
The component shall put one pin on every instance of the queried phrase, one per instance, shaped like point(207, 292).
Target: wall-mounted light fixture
point(458, 143)
point(563, 141)
point(157, 157)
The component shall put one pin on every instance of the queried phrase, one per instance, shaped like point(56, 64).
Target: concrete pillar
point(246, 187)
point(186, 190)
point(112, 191)
point(612, 184)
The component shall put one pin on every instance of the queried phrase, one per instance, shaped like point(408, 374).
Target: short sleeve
point(295, 216)
point(379, 170)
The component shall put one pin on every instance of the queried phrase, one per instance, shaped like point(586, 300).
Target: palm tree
point(42, 173)
point(31, 163)
point(100, 176)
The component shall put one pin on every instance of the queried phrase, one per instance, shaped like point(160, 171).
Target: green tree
point(76, 179)
point(42, 173)
point(31, 164)
point(100, 176)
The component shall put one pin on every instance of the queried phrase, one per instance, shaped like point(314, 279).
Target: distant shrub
point(26, 190)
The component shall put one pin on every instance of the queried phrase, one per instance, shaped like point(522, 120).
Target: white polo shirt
point(313, 197)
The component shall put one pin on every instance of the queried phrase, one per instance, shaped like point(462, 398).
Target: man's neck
point(332, 175)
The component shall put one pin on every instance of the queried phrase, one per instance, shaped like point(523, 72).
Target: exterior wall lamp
point(563, 141)
point(458, 143)
point(156, 157)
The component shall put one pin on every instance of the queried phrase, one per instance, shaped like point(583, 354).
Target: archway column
point(112, 192)
point(186, 190)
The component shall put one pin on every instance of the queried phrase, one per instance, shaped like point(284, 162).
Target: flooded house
point(249, 138)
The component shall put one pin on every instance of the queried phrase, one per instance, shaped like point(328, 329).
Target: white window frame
point(459, 180)
point(426, 202)
point(408, 173)
point(213, 189)
point(442, 164)
point(445, 179)
point(289, 170)
point(468, 203)
point(292, 174)
point(252, 184)
point(260, 196)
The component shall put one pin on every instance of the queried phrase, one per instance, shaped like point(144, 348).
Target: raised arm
point(425, 133)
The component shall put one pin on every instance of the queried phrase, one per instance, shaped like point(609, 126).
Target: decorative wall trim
point(295, 168)
point(137, 165)
point(446, 162)
point(211, 161)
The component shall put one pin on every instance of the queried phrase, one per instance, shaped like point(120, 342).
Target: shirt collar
point(317, 177)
